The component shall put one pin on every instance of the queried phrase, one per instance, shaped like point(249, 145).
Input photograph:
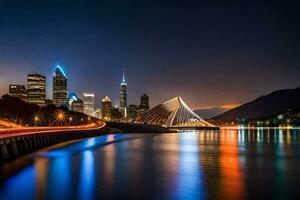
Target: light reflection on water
point(226, 164)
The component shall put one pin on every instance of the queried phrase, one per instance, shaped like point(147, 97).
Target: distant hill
point(274, 103)
point(210, 112)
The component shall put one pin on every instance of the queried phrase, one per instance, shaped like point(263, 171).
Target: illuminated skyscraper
point(77, 106)
point(36, 89)
point(75, 103)
point(88, 103)
point(18, 91)
point(106, 107)
point(123, 97)
point(60, 91)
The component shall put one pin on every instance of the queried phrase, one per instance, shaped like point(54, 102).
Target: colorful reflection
point(226, 164)
point(87, 176)
point(232, 184)
point(190, 178)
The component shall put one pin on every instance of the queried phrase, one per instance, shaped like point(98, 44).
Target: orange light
point(231, 106)
point(60, 116)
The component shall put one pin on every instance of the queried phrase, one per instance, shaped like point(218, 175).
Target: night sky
point(211, 54)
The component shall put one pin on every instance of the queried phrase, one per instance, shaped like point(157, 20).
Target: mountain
point(274, 103)
point(208, 113)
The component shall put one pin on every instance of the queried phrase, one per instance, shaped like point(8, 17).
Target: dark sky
point(208, 53)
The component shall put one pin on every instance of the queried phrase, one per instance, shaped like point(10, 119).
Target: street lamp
point(60, 117)
point(70, 120)
point(36, 119)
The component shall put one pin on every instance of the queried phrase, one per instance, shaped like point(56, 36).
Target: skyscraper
point(123, 97)
point(88, 103)
point(75, 103)
point(36, 89)
point(106, 107)
point(144, 101)
point(144, 105)
point(60, 91)
point(18, 91)
point(132, 113)
point(77, 106)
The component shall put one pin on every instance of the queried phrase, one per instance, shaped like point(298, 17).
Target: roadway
point(13, 132)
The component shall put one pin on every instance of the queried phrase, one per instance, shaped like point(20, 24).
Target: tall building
point(49, 102)
point(77, 105)
point(132, 112)
point(98, 113)
point(144, 105)
point(123, 97)
point(18, 91)
point(72, 97)
point(106, 107)
point(60, 91)
point(88, 103)
point(116, 115)
point(36, 89)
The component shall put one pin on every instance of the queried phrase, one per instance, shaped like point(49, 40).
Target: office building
point(77, 105)
point(116, 115)
point(88, 103)
point(123, 97)
point(144, 104)
point(98, 113)
point(18, 91)
point(132, 113)
point(49, 102)
point(72, 97)
point(36, 89)
point(106, 107)
point(60, 91)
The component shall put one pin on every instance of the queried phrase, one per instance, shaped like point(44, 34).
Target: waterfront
point(226, 164)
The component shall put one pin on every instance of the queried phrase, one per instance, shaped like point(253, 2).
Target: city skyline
point(199, 54)
point(149, 99)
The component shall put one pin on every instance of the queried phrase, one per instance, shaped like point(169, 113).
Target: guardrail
point(18, 142)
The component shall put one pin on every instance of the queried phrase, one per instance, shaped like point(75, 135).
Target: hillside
point(276, 102)
point(210, 112)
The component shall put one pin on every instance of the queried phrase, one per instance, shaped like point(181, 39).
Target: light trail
point(14, 132)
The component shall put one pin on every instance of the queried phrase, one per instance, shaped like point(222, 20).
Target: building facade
point(132, 113)
point(88, 103)
point(60, 92)
point(36, 89)
point(144, 105)
point(18, 91)
point(106, 107)
point(77, 105)
point(116, 115)
point(123, 97)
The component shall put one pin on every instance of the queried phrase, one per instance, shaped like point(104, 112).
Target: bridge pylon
point(174, 113)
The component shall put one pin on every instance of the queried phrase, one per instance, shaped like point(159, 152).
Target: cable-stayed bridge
point(174, 113)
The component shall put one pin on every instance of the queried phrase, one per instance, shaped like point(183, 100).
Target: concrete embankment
point(18, 145)
point(138, 128)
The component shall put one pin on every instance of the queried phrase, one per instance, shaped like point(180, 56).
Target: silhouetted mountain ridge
point(276, 102)
point(208, 113)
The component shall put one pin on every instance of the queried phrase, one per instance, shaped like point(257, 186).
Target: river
point(225, 164)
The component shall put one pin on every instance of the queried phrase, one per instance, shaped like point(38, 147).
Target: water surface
point(226, 164)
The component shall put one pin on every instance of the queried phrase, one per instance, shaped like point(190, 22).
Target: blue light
point(190, 176)
point(87, 176)
point(61, 70)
